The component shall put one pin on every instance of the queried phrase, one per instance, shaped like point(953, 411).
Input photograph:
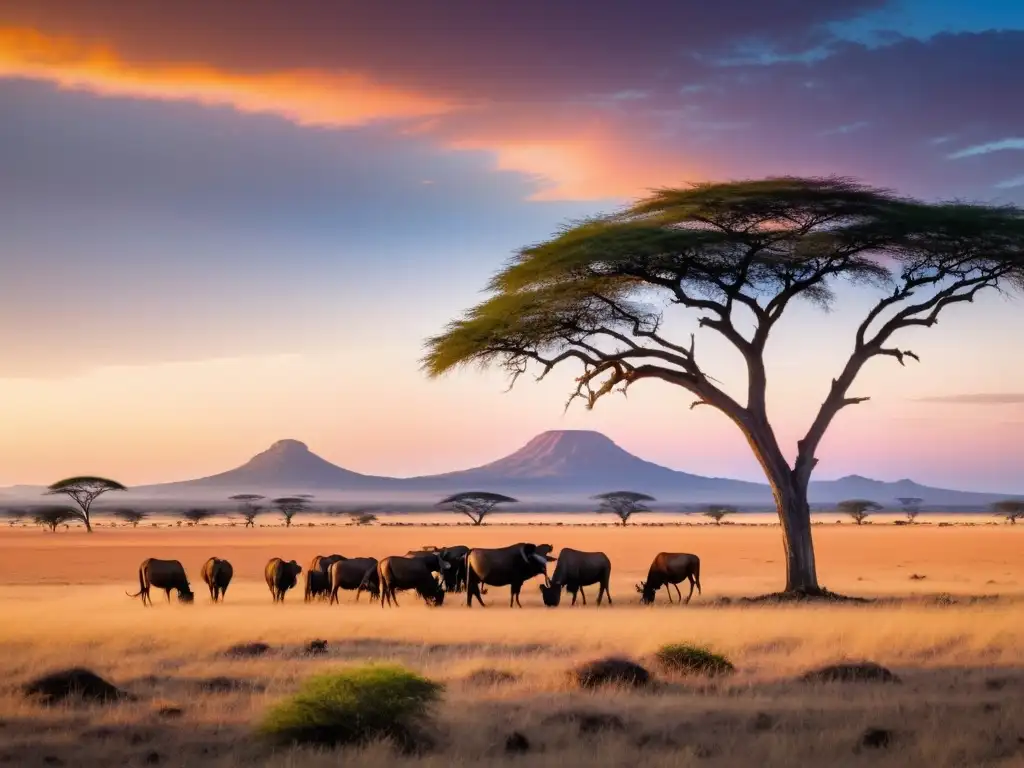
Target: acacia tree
point(51, 517)
point(735, 256)
point(1011, 510)
point(911, 507)
point(290, 506)
point(15, 516)
point(84, 491)
point(250, 507)
point(196, 516)
point(132, 516)
point(717, 512)
point(858, 509)
point(362, 518)
point(623, 503)
point(475, 505)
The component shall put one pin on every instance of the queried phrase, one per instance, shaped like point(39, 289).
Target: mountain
point(287, 465)
point(583, 462)
point(564, 465)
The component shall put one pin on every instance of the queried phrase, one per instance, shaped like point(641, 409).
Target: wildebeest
point(282, 575)
point(350, 573)
point(411, 572)
point(574, 571)
point(318, 580)
point(507, 566)
point(217, 575)
point(165, 575)
point(454, 577)
point(668, 570)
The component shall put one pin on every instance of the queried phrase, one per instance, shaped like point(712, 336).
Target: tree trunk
point(795, 515)
point(88, 525)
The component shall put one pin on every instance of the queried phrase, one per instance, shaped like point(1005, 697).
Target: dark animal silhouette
point(508, 566)
point(318, 579)
point(282, 575)
point(350, 573)
point(574, 571)
point(415, 572)
point(165, 575)
point(217, 575)
point(668, 570)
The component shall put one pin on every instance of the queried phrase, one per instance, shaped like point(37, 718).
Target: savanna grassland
point(950, 623)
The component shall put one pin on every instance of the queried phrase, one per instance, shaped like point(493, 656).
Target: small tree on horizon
point(132, 516)
point(362, 518)
point(624, 504)
point(51, 517)
point(911, 507)
point(15, 516)
point(858, 509)
point(249, 507)
point(718, 511)
point(1010, 510)
point(476, 505)
point(84, 491)
point(196, 515)
point(290, 506)
point(732, 259)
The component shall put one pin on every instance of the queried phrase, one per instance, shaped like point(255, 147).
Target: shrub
point(693, 660)
point(355, 706)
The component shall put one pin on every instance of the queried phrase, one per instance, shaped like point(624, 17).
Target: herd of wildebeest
point(433, 572)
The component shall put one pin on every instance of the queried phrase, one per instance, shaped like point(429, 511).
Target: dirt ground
point(955, 637)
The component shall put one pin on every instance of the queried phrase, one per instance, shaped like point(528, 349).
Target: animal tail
point(142, 584)
point(381, 583)
point(696, 577)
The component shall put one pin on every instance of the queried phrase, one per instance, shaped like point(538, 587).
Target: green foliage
point(688, 659)
point(51, 517)
point(623, 503)
point(86, 482)
point(476, 505)
point(354, 706)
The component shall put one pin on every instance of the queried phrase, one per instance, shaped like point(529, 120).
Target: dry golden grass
point(961, 704)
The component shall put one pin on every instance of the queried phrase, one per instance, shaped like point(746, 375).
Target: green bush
point(355, 706)
point(693, 660)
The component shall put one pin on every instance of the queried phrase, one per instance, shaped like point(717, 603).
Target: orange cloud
point(306, 97)
point(575, 157)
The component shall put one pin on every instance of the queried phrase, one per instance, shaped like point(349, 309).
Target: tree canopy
point(733, 257)
point(858, 509)
point(290, 506)
point(1010, 509)
point(475, 505)
point(623, 503)
point(84, 491)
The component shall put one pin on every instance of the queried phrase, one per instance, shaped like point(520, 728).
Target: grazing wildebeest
point(507, 566)
point(455, 576)
point(416, 572)
point(217, 575)
point(350, 572)
point(574, 571)
point(318, 579)
point(282, 575)
point(165, 575)
point(668, 570)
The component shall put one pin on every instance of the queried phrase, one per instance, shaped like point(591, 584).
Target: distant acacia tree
point(858, 509)
point(15, 516)
point(132, 516)
point(1010, 510)
point(290, 506)
point(476, 505)
point(84, 491)
point(911, 507)
point(250, 507)
point(623, 503)
point(734, 257)
point(717, 512)
point(51, 517)
point(196, 515)
point(362, 518)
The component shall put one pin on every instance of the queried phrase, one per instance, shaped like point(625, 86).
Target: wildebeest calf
point(667, 570)
point(318, 580)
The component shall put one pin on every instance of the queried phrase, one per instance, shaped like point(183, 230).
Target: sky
point(223, 227)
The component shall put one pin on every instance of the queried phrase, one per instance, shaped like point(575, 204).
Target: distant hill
point(569, 465)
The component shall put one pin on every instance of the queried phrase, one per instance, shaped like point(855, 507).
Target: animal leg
point(583, 595)
point(678, 593)
point(573, 598)
point(691, 591)
point(168, 593)
point(668, 591)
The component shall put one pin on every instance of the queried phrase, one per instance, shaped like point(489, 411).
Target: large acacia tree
point(736, 256)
